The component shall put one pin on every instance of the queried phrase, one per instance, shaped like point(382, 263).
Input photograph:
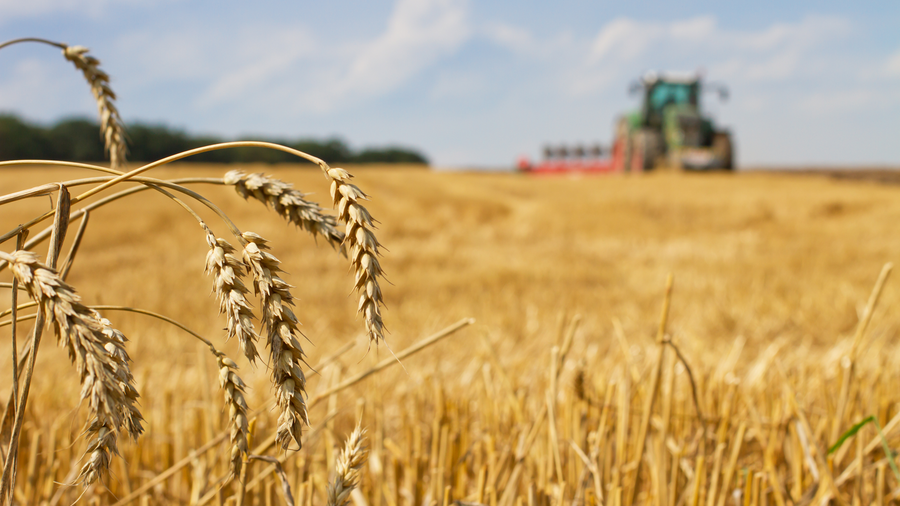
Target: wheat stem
point(151, 183)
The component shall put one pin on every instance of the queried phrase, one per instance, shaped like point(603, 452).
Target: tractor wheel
point(722, 149)
point(647, 147)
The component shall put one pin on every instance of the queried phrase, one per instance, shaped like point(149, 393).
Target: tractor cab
point(670, 128)
point(660, 93)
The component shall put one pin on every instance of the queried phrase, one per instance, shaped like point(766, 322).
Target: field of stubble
point(543, 400)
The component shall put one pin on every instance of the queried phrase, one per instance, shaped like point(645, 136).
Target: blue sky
point(471, 83)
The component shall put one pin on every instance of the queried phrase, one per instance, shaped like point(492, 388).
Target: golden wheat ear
point(286, 355)
point(346, 469)
point(111, 127)
point(289, 203)
point(227, 271)
point(96, 350)
point(363, 248)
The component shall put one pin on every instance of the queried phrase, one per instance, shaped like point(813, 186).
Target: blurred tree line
point(78, 140)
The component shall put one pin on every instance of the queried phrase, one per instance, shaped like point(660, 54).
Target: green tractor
point(670, 129)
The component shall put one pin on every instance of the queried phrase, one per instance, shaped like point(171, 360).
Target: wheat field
point(544, 399)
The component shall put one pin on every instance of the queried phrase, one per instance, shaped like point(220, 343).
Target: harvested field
point(544, 400)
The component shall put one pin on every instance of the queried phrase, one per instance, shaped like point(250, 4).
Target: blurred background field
point(770, 270)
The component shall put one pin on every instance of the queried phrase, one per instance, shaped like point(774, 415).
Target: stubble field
point(541, 401)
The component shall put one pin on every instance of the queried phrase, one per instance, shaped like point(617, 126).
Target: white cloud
point(624, 39)
point(892, 66)
point(306, 73)
point(699, 29)
point(524, 43)
point(418, 34)
point(514, 38)
point(268, 55)
point(628, 47)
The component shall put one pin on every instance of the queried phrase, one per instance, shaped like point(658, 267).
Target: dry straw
point(286, 355)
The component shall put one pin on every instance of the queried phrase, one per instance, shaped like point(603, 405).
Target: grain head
point(227, 271)
point(110, 122)
point(289, 203)
point(346, 470)
point(286, 355)
point(363, 249)
point(94, 347)
point(233, 389)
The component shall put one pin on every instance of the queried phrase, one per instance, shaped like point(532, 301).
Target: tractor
point(671, 129)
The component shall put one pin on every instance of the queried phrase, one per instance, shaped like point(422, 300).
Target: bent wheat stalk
point(111, 127)
point(110, 122)
point(98, 350)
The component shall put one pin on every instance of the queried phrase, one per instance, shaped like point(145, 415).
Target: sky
point(468, 83)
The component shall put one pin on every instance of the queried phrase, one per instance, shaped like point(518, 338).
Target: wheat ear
point(96, 351)
point(103, 443)
point(289, 203)
point(233, 387)
point(227, 270)
point(110, 121)
point(115, 346)
point(281, 332)
point(363, 249)
point(346, 469)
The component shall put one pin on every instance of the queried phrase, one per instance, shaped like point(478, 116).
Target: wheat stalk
point(227, 270)
point(363, 248)
point(95, 349)
point(110, 121)
point(346, 469)
point(281, 332)
point(289, 203)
